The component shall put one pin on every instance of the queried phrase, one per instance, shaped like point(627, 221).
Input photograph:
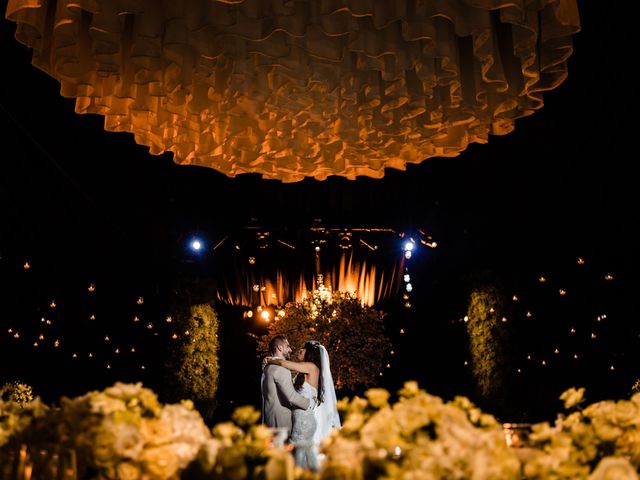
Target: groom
point(279, 397)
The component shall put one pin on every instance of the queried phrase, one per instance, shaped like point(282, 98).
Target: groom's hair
point(275, 342)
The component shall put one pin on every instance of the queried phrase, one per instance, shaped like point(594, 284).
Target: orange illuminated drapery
point(294, 89)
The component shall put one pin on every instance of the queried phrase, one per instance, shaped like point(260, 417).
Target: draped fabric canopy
point(302, 88)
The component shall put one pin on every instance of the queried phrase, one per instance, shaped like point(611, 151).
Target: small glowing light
point(169, 319)
point(256, 288)
point(388, 365)
point(573, 330)
point(90, 355)
point(407, 304)
point(408, 287)
point(407, 254)
point(402, 330)
point(142, 367)
point(397, 451)
point(252, 260)
point(580, 261)
point(407, 277)
point(16, 335)
point(281, 313)
point(265, 315)
point(519, 371)
point(108, 367)
point(41, 337)
point(133, 349)
point(562, 291)
point(75, 355)
point(237, 247)
point(541, 279)
point(593, 335)
point(466, 319)
point(174, 336)
point(26, 266)
point(249, 313)
point(35, 344)
point(608, 277)
point(186, 332)
point(492, 310)
point(196, 245)
point(117, 350)
point(92, 287)
point(48, 322)
point(529, 314)
point(52, 304)
point(392, 352)
point(149, 325)
point(556, 351)
point(528, 357)
point(106, 339)
point(380, 373)
point(408, 246)
point(504, 320)
point(43, 319)
point(598, 318)
point(92, 317)
point(317, 249)
point(10, 330)
point(575, 356)
point(405, 296)
point(544, 362)
point(514, 298)
point(140, 300)
point(56, 343)
point(136, 319)
point(466, 362)
point(611, 368)
point(259, 308)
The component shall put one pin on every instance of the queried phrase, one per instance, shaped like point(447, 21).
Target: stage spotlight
point(345, 241)
point(196, 245)
point(265, 315)
point(263, 240)
point(408, 246)
point(407, 254)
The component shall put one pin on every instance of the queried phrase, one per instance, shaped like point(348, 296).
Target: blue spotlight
point(196, 245)
point(408, 246)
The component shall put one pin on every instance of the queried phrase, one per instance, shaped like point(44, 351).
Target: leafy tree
point(352, 333)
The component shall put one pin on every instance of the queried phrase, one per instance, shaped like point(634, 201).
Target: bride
point(314, 381)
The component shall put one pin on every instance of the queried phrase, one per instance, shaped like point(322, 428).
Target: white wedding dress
point(311, 427)
point(303, 432)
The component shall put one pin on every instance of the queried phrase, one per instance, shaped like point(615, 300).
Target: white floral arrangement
point(418, 437)
point(598, 442)
point(243, 449)
point(124, 433)
point(18, 409)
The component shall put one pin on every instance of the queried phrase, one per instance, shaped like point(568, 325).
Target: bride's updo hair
point(312, 354)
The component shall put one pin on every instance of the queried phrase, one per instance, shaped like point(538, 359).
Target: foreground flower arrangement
point(124, 433)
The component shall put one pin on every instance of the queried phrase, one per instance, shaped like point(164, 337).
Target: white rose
point(614, 468)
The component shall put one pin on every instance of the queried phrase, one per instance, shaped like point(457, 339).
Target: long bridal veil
point(327, 411)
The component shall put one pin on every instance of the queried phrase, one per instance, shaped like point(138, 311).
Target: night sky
point(83, 206)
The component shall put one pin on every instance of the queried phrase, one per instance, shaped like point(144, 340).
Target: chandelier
point(302, 88)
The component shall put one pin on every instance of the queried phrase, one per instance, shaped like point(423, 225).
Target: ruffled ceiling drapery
point(302, 88)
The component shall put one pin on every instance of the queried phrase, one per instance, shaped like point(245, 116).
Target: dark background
point(83, 206)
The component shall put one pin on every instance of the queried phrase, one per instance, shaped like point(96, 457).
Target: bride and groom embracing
point(307, 406)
